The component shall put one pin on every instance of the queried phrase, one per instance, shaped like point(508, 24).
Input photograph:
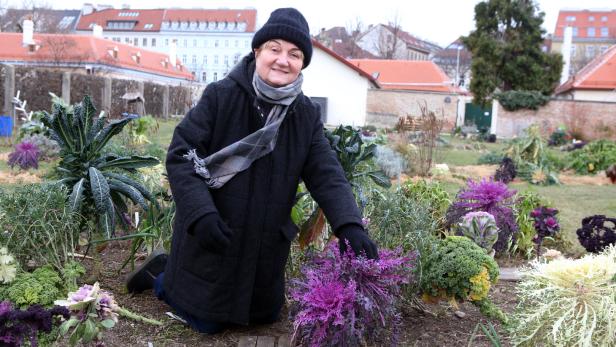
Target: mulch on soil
point(439, 327)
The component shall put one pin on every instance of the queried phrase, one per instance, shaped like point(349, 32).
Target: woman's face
point(278, 62)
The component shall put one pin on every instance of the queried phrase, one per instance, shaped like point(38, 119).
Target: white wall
point(595, 95)
point(345, 89)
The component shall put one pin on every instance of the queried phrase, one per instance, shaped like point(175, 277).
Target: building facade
point(208, 42)
point(593, 32)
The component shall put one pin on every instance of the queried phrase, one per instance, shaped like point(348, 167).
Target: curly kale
point(596, 234)
point(42, 287)
point(459, 269)
point(18, 327)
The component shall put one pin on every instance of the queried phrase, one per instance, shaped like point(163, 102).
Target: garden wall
point(585, 119)
point(161, 100)
point(384, 107)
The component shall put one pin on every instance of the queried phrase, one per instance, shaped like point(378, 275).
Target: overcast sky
point(440, 21)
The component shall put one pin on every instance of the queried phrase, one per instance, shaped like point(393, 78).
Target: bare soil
point(439, 326)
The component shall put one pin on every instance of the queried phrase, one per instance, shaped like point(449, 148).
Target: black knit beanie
point(287, 24)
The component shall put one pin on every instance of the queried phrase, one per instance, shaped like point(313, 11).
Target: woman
point(234, 165)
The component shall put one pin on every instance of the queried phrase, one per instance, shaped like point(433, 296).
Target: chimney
point(87, 9)
point(172, 53)
point(28, 35)
point(97, 31)
point(566, 52)
point(115, 52)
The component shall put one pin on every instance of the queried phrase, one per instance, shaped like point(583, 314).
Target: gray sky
point(440, 21)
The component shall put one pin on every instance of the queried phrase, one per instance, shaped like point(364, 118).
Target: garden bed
point(439, 327)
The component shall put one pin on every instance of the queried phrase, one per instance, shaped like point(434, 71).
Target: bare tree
point(63, 49)
point(354, 30)
point(389, 40)
point(45, 19)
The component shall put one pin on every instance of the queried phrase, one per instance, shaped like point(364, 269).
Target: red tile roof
point(599, 74)
point(101, 18)
point(156, 17)
point(582, 22)
point(346, 62)
point(407, 74)
point(71, 49)
point(247, 16)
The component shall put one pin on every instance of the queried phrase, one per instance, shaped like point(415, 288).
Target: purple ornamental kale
point(17, 325)
point(545, 224)
point(344, 300)
point(26, 155)
point(597, 233)
point(488, 196)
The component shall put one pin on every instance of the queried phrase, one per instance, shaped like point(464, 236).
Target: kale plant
point(344, 300)
point(460, 270)
point(26, 155)
point(596, 234)
point(479, 227)
point(506, 171)
point(98, 188)
point(492, 197)
point(545, 224)
point(48, 148)
point(19, 327)
point(40, 287)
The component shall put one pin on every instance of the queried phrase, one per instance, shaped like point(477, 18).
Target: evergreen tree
point(506, 48)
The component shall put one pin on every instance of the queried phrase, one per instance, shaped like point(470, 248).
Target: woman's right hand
point(212, 232)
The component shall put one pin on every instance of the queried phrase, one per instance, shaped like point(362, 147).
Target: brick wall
point(384, 107)
point(587, 119)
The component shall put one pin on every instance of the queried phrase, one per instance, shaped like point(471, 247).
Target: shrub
point(524, 205)
point(391, 162)
point(458, 269)
point(37, 224)
point(479, 227)
point(430, 194)
point(595, 156)
point(342, 299)
point(98, 190)
point(26, 155)
point(19, 327)
point(490, 158)
point(8, 268)
point(513, 100)
point(492, 197)
point(559, 137)
point(567, 303)
point(506, 172)
point(596, 234)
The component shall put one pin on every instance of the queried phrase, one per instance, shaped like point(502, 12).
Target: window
point(194, 43)
point(591, 18)
point(153, 42)
point(237, 43)
point(246, 44)
point(216, 43)
point(65, 22)
point(604, 32)
point(226, 60)
point(573, 50)
point(603, 49)
point(570, 19)
point(148, 26)
point(226, 43)
point(205, 60)
point(126, 40)
point(215, 76)
point(184, 59)
point(185, 43)
point(604, 18)
point(167, 42)
point(194, 59)
point(136, 41)
point(575, 31)
point(236, 58)
point(591, 32)
point(145, 42)
point(590, 51)
point(204, 76)
point(215, 60)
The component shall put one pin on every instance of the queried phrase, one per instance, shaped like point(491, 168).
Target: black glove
point(358, 239)
point(212, 232)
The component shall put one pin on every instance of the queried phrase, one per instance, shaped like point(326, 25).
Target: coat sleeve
point(325, 180)
point(190, 192)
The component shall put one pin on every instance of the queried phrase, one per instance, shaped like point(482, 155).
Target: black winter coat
point(246, 282)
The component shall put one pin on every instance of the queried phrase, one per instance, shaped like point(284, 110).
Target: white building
point(207, 42)
point(338, 86)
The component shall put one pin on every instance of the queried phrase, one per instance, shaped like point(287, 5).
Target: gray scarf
point(218, 168)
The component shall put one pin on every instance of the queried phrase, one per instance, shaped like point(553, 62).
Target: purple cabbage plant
point(344, 300)
point(597, 233)
point(18, 326)
point(26, 155)
point(488, 196)
point(545, 224)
